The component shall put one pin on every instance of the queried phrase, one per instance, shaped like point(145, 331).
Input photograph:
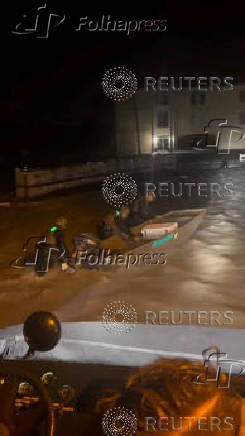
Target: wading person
point(55, 237)
point(141, 210)
point(116, 223)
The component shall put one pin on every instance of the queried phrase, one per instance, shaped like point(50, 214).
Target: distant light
point(155, 140)
point(117, 212)
point(53, 228)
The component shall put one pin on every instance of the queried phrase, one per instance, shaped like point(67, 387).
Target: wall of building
point(126, 133)
point(186, 120)
point(39, 182)
point(134, 125)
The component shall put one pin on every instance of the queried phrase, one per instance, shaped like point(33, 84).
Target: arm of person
point(59, 236)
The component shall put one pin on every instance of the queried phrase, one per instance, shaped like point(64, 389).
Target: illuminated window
point(161, 143)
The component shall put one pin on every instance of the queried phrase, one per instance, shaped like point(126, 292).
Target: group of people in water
point(128, 216)
point(117, 223)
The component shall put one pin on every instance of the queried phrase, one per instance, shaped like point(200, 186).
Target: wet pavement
point(204, 274)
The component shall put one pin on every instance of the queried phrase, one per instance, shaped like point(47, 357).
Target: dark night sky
point(56, 81)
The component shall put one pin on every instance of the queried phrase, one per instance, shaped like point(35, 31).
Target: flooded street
point(203, 273)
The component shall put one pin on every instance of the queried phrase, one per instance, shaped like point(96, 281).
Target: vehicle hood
point(90, 342)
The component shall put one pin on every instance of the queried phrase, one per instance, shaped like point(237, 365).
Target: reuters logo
point(119, 84)
point(119, 421)
point(119, 317)
point(119, 190)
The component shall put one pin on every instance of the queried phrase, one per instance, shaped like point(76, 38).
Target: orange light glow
point(200, 411)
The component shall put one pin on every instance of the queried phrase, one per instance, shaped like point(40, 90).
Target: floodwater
point(205, 273)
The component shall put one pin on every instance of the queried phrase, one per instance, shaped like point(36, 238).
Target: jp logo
point(42, 23)
point(227, 136)
point(221, 375)
point(42, 257)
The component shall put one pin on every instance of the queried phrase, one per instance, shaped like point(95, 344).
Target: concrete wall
point(38, 182)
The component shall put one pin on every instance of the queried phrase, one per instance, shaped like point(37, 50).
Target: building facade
point(167, 121)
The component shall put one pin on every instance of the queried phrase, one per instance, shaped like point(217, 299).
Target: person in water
point(116, 223)
point(55, 237)
point(141, 210)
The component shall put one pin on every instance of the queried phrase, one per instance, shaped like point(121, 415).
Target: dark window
point(162, 119)
point(198, 98)
point(163, 99)
point(193, 98)
point(242, 96)
point(242, 117)
point(194, 120)
point(202, 98)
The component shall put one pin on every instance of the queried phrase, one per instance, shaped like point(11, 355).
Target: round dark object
point(42, 331)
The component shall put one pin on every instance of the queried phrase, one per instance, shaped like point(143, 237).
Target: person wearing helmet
point(141, 210)
point(105, 228)
point(116, 223)
point(122, 227)
point(55, 237)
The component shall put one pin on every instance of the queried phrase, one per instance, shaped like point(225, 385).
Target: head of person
point(61, 222)
point(149, 197)
point(124, 212)
point(165, 400)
